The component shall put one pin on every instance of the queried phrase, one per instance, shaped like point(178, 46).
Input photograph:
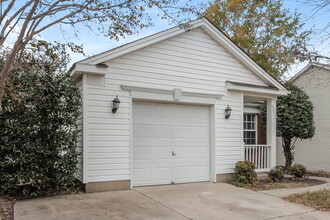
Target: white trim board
point(145, 93)
point(85, 128)
point(256, 89)
point(80, 68)
point(251, 110)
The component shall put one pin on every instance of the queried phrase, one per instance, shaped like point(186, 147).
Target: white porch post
point(271, 129)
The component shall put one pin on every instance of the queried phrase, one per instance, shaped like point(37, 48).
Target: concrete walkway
point(186, 201)
point(281, 193)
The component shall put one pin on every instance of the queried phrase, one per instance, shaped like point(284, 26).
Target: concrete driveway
point(186, 201)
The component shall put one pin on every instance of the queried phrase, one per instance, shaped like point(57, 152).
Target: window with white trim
point(250, 128)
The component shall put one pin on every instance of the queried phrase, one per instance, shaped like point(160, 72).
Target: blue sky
point(94, 44)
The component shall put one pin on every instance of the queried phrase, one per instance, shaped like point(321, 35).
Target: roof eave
point(80, 68)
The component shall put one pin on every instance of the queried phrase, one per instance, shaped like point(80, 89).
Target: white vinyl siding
point(315, 153)
point(228, 133)
point(79, 148)
point(193, 62)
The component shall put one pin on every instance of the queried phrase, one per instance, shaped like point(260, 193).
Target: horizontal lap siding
point(315, 153)
point(193, 62)
point(228, 133)
point(108, 133)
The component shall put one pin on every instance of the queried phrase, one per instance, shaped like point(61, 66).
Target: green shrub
point(244, 173)
point(298, 170)
point(38, 134)
point(276, 174)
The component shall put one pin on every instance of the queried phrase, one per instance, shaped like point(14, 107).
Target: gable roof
point(308, 67)
point(93, 64)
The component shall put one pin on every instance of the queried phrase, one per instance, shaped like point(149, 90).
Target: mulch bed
point(319, 174)
point(287, 182)
point(7, 209)
point(76, 188)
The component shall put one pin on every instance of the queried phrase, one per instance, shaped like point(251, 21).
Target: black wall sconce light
point(228, 112)
point(115, 104)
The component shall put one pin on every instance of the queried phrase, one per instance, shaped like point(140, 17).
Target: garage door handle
point(173, 154)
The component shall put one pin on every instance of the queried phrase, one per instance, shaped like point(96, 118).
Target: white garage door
point(170, 144)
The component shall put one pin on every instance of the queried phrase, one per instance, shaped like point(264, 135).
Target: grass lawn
point(319, 200)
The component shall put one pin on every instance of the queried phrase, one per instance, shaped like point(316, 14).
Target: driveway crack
point(163, 205)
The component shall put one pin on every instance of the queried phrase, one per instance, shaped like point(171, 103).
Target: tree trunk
point(288, 154)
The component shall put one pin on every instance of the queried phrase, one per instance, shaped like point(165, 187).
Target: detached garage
point(183, 93)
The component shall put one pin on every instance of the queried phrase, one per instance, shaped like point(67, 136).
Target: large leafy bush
point(244, 173)
point(38, 133)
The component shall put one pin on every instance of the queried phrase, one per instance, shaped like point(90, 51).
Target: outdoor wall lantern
point(115, 104)
point(228, 112)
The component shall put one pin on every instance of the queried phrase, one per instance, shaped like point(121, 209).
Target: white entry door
point(170, 144)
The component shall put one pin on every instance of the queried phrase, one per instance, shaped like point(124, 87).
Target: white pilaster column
point(271, 129)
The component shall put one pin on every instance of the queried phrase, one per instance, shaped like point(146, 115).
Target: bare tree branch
point(11, 29)
point(9, 7)
point(12, 17)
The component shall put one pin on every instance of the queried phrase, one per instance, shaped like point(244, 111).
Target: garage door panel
point(161, 165)
point(143, 164)
point(200, 142)
point(181, 111)
point(182, 173)
point(141, 131)
point(162, 174)
point(198, 170)
point(182, 122)
point(181, 131)
point(161, 114)
point(170, 128)
point(142, 153)
point(200, 133)
point(142, 142)
point(200, 162)
point(141, 113)
point(162, 153)
point(181, 152)
point(161, 131)
point(142, 175)
point(199, 152)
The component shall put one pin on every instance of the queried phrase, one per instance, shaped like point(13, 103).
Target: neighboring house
point(314, 153)
point(173, 87)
